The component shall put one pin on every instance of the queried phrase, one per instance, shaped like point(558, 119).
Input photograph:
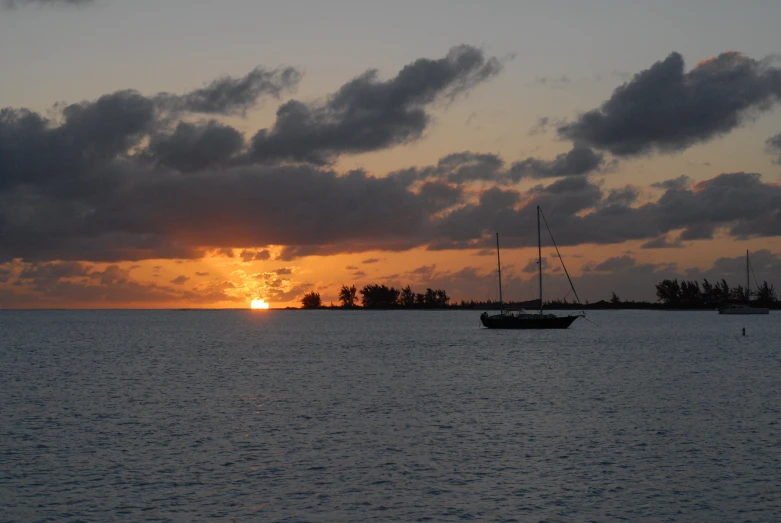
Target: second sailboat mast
point(539, 254)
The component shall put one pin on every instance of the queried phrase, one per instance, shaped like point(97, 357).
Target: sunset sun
point(259, 304)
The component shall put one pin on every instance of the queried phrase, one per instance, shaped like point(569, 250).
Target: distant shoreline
point(552, 307)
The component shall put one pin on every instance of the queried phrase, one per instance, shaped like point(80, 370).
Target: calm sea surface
point(387, 416)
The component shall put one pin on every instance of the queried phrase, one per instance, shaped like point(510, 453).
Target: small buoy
point(744, 331)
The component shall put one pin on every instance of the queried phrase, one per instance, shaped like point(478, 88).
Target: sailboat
point(744, 308)
point(524, 320)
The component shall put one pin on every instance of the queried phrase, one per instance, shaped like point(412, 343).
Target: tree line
point(374, 296)
point(670, 293)
point(691, 293)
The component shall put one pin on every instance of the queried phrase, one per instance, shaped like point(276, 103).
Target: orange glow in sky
point(259, 304)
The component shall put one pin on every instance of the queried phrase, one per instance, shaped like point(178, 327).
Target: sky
point(158, 154)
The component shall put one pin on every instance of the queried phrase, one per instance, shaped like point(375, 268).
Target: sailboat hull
point(526, 321)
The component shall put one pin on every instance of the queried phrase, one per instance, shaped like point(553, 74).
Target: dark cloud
point(88, 135)
point(33, 152)
point(69, 283)
point(773, 145)
point(615, 263)
point(466, 166)
point(195, 146)
point(248, 255)
point(462, 167)
point(739, 201)
point(666, 109)
point(367, 114)
point(567, 196)
point(578, 161)
point(662, 242)
point(116, 179)
point(578, 211)
point(680, 182)
point(625, 196)
point(201, 273)
point(179, 280)
point(438, 195)
point(228, 95)
point(370, 260)
point(765, 264)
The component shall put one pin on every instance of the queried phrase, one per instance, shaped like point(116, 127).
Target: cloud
point(424, 270)
point(552, 81)
point(578, 161)
point(765, 264)
point(465, 167)
point(88, 135)
point(461, 167)
point(773, 145)
point(615, 263)
point(121, 179)
point(195, 146)
point(180, 280)
point(666, 109)
point(681, 182)
point(228, 95)
point(739, 205)
point(368, 114)
point(533, 265)
point(68, 283)
point(625, 196)
point(370, 260)
point(248, 255)
point(662, 242)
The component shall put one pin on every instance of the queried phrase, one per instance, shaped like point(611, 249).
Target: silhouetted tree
point(766, 294)
point(740, 294)
point(614, 299)
point(441, 298)
point(407, 297)
point(348, 296)
point(379, 296)
point(669, 291)
point(723, 291)
point(420, 300)
point(311, 300)
point(690, 292)
point(709, 293)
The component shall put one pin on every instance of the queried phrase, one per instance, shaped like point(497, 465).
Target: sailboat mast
point(499, 265)
point(539, 254)
point(748, 282)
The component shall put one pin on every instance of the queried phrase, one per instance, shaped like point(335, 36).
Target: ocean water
point(387, 416)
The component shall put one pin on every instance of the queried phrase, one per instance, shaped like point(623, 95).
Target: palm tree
point(348, 296)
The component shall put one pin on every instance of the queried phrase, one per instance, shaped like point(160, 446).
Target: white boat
point(744, 308)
